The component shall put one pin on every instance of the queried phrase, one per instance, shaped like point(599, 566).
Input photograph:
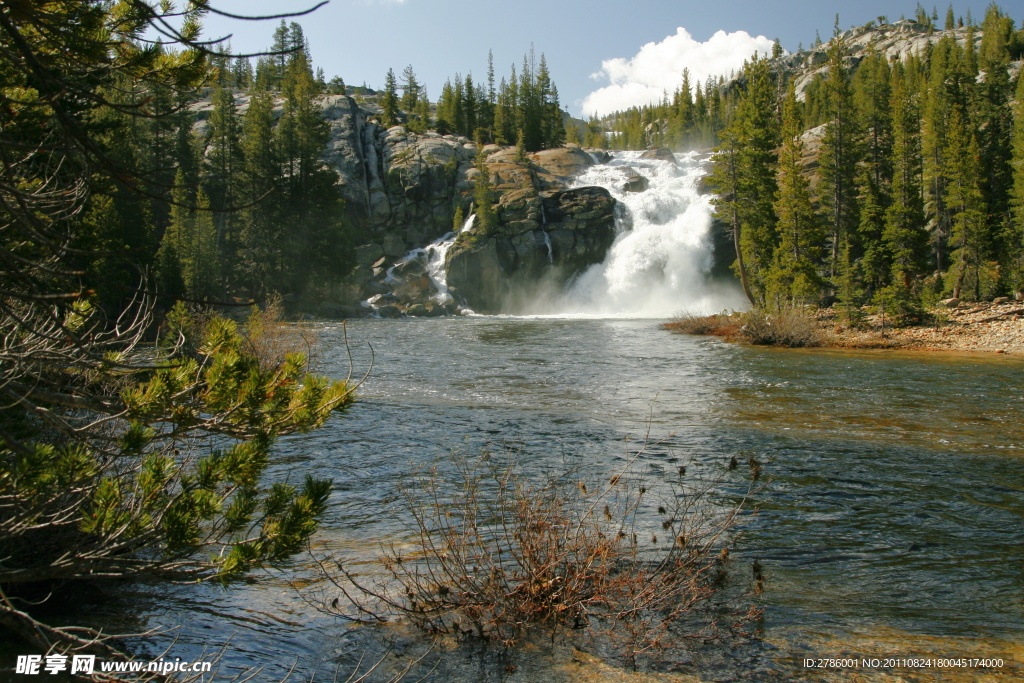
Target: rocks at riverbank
point(979, 326)
point(966, 326)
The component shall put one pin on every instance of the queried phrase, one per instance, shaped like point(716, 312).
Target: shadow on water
point(892, 523)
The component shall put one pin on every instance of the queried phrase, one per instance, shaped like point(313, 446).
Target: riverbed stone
point(417, 310)
point(634, 181)
point(660, 153)
point(368, 254)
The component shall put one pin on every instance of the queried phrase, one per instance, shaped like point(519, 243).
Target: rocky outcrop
point(898, 40)
point(402, 190)
point(395, 182)
point(544, 230)
point(542, 239)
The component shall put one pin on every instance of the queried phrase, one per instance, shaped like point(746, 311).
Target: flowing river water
point(891, 524)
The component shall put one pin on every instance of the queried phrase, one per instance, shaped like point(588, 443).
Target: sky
point(602, 55)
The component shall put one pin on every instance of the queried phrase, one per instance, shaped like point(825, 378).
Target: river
point(892, 522)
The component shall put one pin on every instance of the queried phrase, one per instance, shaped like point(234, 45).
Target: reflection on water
point(892, 520)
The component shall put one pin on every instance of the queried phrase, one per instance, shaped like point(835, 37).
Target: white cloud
point(658, 68)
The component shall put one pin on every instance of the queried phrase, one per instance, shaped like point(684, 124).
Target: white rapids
point(660, 261)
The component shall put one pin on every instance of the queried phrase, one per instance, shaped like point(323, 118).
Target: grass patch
point(791, 327)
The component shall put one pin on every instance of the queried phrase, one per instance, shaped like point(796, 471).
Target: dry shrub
point(717, 324)
point(271, 338)
point(786, 327)
point(627, 565)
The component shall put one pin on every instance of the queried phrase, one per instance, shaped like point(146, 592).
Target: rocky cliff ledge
point(402, 191)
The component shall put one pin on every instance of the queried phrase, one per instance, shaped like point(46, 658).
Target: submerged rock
point(634, 181)
point(661, 154)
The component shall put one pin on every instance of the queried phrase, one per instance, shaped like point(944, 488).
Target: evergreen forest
point(890, 182)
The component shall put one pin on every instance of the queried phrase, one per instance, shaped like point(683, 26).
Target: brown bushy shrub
point(787, 327)
point(271, 338)
point(628, 563)
point(716, 324)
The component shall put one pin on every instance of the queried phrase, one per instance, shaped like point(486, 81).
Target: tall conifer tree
point(794, 275)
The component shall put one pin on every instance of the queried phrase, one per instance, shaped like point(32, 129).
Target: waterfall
point(435, 253)
point(659, 263)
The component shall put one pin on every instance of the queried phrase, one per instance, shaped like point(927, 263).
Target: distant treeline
point(241, 205)
point(521, 110)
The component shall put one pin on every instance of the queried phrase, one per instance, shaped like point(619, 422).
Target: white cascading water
point(433, 256)
point(659, 263)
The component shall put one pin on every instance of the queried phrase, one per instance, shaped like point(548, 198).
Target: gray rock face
point(394, 181)
point(540, 237)
point(898, 40)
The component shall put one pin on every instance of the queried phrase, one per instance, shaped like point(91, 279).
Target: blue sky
point(360, 39)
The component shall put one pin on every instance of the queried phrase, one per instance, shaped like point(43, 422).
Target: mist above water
point(661, 260)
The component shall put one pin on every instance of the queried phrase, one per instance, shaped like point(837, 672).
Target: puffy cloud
point(658, 68)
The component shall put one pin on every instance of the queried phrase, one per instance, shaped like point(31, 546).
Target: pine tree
point(458, 110)
point(993, 123)
point(502, 116)
point(904, 237)
point(744, 174)
point(794, 275)
point(483, 196)
point(259, 248)
point(967, 206)
point(224, 160)
point(172, 254)
point(201, 262)
point(934, 141)
point(389, 103)
point(1014, 236)
point(410, 90)
point(838, 163)
point(421, 115)
point(446, 109)
point(276, 64)
point(469, 107)
point(314, 244)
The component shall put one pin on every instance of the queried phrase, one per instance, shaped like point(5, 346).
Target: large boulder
point(540, 237)
point(661, 154)
point(564, 163)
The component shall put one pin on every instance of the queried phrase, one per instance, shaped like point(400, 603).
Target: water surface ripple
point(893, 519)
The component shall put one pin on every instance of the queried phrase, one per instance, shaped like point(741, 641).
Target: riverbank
point(978, 326)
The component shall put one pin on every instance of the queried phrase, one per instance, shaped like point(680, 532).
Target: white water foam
point(659, 263)
point(433, 257)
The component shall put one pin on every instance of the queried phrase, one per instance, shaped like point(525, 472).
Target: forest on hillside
point(890, 182)
point(242, 205)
